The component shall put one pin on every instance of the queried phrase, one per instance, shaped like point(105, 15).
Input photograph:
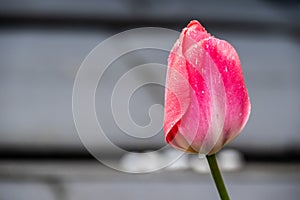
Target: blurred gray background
point(42, 45)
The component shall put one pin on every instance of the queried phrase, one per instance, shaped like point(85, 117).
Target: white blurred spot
point(141, 162)
point(230, 160)
point(199, 164)
point(181, 162)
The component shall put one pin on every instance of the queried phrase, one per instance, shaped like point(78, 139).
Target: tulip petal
point(237, 100)
point(176, 95)
point(209, 88)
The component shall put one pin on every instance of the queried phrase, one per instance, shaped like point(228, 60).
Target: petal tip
point(196, 25)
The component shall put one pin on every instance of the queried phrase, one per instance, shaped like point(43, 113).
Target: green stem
point(217, 176)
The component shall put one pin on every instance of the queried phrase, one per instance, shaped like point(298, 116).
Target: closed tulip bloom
point(206, 99)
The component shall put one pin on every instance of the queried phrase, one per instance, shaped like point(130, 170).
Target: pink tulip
point(206, 99)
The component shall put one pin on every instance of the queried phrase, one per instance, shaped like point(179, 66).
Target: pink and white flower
point(206, 99)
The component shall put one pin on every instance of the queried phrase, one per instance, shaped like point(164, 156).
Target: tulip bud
point(206, 100)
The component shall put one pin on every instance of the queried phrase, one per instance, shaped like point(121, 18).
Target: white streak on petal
point(216, 87)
